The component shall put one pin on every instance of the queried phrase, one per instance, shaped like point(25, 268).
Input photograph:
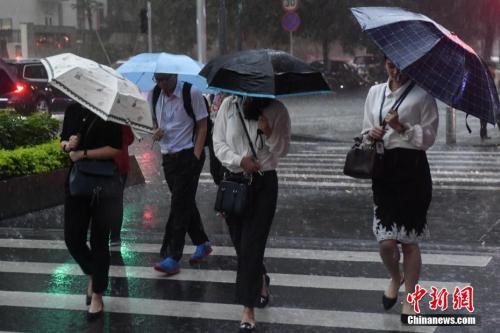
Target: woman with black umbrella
point(268, 125)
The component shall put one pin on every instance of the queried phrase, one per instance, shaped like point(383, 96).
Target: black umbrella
point(7, 80)
point(263, 73)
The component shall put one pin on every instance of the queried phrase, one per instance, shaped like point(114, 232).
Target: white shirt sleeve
point(198, 103)
point(279, 140)
point(221, 148)
point(368, 121)
point(424, 134)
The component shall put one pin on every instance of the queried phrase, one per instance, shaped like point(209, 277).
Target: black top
point(100, 133)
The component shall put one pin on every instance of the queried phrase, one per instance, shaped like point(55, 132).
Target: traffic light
point(143, 16)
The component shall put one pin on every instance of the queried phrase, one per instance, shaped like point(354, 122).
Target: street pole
point(201, 30)
point(451, 126)
point(238, 26)
point(222, 27)
point(150, 34)
point(291, 43)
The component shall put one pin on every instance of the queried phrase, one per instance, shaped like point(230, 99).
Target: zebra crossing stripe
point(356, 185)
point(331, 160)
point(279, 253)
point(220, 276)
point(214, 311)
point(338, 170)
point(345, 148)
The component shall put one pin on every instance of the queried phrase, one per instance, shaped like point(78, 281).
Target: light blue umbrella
point(140, 69)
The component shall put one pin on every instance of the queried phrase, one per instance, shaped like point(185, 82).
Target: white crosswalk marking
point(280, 253)
point(279, 315)
point(320, 165)
point(222, 276)
point(136, 304)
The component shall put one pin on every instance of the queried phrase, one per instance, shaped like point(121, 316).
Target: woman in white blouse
point(403, 193)
point(268, 125)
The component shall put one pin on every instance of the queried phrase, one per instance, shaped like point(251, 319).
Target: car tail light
point(20, 88)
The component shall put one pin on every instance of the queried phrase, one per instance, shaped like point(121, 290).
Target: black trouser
point(182, 172)
point(78, 213)
point(249, 236)
point(116, 226)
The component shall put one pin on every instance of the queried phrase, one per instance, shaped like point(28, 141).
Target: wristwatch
point(85, 154)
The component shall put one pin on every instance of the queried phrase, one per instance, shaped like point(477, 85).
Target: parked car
point(340, 75)
point(32, 92)
point(370, 68)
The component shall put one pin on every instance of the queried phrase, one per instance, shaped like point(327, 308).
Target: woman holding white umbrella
point(92, 137)
point(85, 136)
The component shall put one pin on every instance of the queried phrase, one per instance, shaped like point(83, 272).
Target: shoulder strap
point(156, 96)
point(188, 104)
point(397, 103)
point(401, 98)
point(381, 123)
point(246, 131)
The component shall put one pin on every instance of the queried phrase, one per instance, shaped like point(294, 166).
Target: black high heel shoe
point(264, 300)
point(91, 316)
point(387, 302)
point(246, 327)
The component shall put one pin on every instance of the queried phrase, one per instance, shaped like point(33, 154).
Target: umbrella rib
point(95, 108)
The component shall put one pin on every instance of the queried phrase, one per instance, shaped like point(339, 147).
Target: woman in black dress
point(86, 136)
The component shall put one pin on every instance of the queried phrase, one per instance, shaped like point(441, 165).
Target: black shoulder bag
point(365, 160)
point(233, 192)
point(94, 178)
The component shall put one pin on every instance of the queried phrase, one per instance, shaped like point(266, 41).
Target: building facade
point(38, 28)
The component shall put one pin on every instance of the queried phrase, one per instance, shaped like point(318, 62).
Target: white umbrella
point(100, 89)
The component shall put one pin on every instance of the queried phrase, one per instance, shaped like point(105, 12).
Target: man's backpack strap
point(188, 105)
point(156, 96)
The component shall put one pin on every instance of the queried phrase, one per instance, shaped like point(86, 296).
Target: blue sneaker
point(168, 266)
point(201, 252)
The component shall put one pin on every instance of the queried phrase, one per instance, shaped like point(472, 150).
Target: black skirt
point(402, 195)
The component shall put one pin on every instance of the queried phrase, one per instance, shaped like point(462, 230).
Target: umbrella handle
point(137, 136)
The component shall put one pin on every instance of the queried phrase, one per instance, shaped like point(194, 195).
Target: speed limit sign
point(290, 5)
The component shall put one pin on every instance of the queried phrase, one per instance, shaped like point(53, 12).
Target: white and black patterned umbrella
point(100, 89)
point(435, 58)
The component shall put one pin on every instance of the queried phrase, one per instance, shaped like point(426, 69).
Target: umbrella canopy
point(100, 89)
point(263, 73)
point(140, 69)
point(435, 58)
point(7, 79)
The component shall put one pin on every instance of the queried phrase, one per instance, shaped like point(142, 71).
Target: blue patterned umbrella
point(434, 57)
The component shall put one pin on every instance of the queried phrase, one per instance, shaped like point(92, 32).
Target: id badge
point(379, 147)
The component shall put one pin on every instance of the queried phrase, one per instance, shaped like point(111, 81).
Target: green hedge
point(18, 131)
point(32, 160)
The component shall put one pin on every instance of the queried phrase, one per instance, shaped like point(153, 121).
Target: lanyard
point(396, 104)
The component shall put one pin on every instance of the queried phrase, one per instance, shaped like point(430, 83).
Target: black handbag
point(365, 160)
point(233, 192)
point(94, 178)
point(232, 195)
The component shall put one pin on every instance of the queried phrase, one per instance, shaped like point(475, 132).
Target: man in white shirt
point(181, 134)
